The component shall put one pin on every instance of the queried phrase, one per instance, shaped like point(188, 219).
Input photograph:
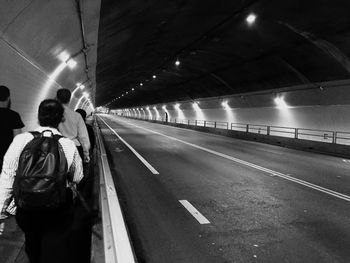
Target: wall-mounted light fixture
point(149, 112)
point(225, 105)
point(180, 114)
point(281, 104)
point(157, 112)
point(198, 110)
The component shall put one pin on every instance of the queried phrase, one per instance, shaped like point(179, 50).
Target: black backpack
point(41, 178)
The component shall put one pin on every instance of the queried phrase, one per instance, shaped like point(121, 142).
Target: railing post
point(188, 123)
point(205, 123)
point(215, 124)
point(334, 139)
point(268, 130)
point(296, 133)
point(195, 123)
point(247, 128)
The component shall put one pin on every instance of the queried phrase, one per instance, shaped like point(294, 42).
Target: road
point(190, 196)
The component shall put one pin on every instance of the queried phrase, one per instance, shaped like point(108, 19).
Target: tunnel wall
point(325, 108)
point(26, 82)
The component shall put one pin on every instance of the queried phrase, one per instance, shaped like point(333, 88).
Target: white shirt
point(74, 128)
point(13, 153)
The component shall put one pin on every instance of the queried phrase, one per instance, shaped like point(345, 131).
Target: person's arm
point(83, 138)
point(17, 124)
point(9, 168)
point(76, 167)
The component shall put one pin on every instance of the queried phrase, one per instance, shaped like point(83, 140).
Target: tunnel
point(222, 127)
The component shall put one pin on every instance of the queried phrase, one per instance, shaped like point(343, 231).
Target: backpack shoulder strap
point(36, 134)
point(57, 136)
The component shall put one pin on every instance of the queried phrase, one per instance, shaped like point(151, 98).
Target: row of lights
point(250, 19)
point(279, 101)
point(177, 63)
point(71, 63)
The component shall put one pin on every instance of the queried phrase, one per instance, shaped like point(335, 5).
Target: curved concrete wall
point(25, 82)
point(326, 108)
point(34, 37)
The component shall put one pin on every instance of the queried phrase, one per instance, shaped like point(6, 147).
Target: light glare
point(281, 104)
point(225, 105)
point(251, 19)
point(71, 63)
point(63, 56)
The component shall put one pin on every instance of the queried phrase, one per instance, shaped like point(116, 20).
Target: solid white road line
point(147, 164)
point(193, 211)
point(281, 175)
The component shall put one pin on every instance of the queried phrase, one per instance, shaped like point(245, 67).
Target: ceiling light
point(132, 89)
point(63, 56)
point(71, 63)
point(251, 18)
point(154, 76)
point(141, 84)
point(177, 62)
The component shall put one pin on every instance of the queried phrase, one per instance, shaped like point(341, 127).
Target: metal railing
point(117, 246)
point(327, 136)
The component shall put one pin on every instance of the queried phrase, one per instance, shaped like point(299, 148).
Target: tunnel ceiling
point(39, 32)
point(291, 42)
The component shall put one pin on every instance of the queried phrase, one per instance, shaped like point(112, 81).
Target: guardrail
point(117, 246)
point(327, 136)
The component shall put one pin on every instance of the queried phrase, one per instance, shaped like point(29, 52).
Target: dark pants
point(62, 236)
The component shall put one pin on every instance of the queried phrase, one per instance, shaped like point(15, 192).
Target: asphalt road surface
point(190, 196)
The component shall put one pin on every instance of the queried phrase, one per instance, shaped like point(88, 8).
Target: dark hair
point(63, 95)
point(50, 113)
point(4, 93)
point(82, 113)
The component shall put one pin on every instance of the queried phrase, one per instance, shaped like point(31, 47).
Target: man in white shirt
point(73, 126)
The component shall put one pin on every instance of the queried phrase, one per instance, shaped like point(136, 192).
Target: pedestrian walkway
point(12, 243)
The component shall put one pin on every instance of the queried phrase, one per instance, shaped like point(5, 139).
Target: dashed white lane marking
point(260, 168)
point(147, 164)
point(193, 211)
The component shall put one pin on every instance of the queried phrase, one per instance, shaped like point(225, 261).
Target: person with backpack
point(41, 170)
